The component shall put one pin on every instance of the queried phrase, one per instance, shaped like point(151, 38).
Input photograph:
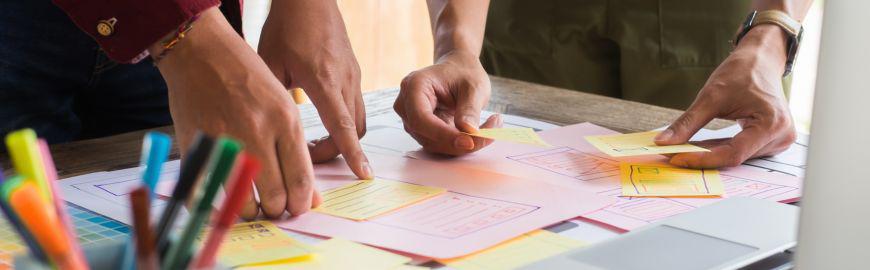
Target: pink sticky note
point(480, 210)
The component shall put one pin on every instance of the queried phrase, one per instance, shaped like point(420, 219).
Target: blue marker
point(155, 151)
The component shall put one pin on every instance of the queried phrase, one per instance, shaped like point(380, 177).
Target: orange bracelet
point(170, 43)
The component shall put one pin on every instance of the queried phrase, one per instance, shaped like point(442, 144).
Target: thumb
point(468, 107)
point(682, 129)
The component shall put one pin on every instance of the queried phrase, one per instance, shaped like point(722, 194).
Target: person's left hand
point(746, 87)
point(306, 45)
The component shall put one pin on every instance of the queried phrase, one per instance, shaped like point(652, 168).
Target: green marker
point(220, 167)
point(10, 185)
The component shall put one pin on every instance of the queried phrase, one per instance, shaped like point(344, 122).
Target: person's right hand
point(440, 103)
point(219, 85)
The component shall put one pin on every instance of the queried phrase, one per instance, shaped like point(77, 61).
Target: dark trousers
point(55, 79)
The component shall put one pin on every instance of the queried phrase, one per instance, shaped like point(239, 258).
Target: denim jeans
point(55, 79)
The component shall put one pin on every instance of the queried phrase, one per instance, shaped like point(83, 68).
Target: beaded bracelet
point(170, 43)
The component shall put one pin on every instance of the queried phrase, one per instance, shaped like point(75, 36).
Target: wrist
point(457, 56)
point(450, 39)
point(210, 46)
point(178, 41)
point(766, 40)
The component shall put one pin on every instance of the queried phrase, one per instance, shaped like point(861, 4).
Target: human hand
point(219, 85)
point(305, 45)
point(441, 102)
point(746, 87)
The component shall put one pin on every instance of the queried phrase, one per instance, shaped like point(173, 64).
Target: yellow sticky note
point(515, 253)
point(517, 135)
point(636, 144)
point(259, 242)
point(366, 199)
point(341, 254)
point(640, 180)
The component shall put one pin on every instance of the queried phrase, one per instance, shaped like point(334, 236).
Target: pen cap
point(155, 150)
point(239, 188)
point(220, 168)
point(6, 187)
point(27, 159)
point(192, 164)
point(41, 220)
point(11, 184)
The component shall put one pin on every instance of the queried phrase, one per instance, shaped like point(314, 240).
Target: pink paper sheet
point(573, 162)
point(482, 208)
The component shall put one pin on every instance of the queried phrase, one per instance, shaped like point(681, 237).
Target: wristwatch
point(792, 27)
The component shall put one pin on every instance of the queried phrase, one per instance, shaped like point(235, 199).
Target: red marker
point(239, 190)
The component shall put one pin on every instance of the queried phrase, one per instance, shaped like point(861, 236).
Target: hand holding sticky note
point(366, 199)
point(636, 144)
point(640, 180)
point(516, 135)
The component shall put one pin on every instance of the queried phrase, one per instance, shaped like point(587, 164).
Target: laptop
point(834, 224)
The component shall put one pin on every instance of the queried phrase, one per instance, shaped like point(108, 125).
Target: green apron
point(658, 52)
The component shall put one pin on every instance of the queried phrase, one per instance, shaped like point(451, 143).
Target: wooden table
point(555, 105)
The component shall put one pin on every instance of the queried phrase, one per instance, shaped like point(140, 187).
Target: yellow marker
point(515, 253)
point(516, 135)
point(337, 253)
point(365, 199)
point(636, 144)
point(26, 156)
point(258, 243)
point(643, 180)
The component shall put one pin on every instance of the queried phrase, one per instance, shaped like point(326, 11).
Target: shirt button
point(106, 27)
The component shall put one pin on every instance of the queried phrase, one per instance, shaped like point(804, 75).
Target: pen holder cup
point(101, 256)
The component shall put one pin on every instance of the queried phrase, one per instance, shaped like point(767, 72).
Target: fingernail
point(681, 162)
point(464, 142)
point(367, 171)
point(665, 135)
point(471, 120)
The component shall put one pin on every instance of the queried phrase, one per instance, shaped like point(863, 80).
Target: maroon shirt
point(138, 24)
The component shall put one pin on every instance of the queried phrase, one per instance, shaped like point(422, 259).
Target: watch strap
point(791, 26)
point(783, 20)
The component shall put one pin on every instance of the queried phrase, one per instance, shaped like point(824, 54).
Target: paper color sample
point(657, 180)
point(516, 135)
point(337, 253)
point(636, 144)
point(259, 242)
point(365, 199)
point(516, 252)
point(480, 210)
